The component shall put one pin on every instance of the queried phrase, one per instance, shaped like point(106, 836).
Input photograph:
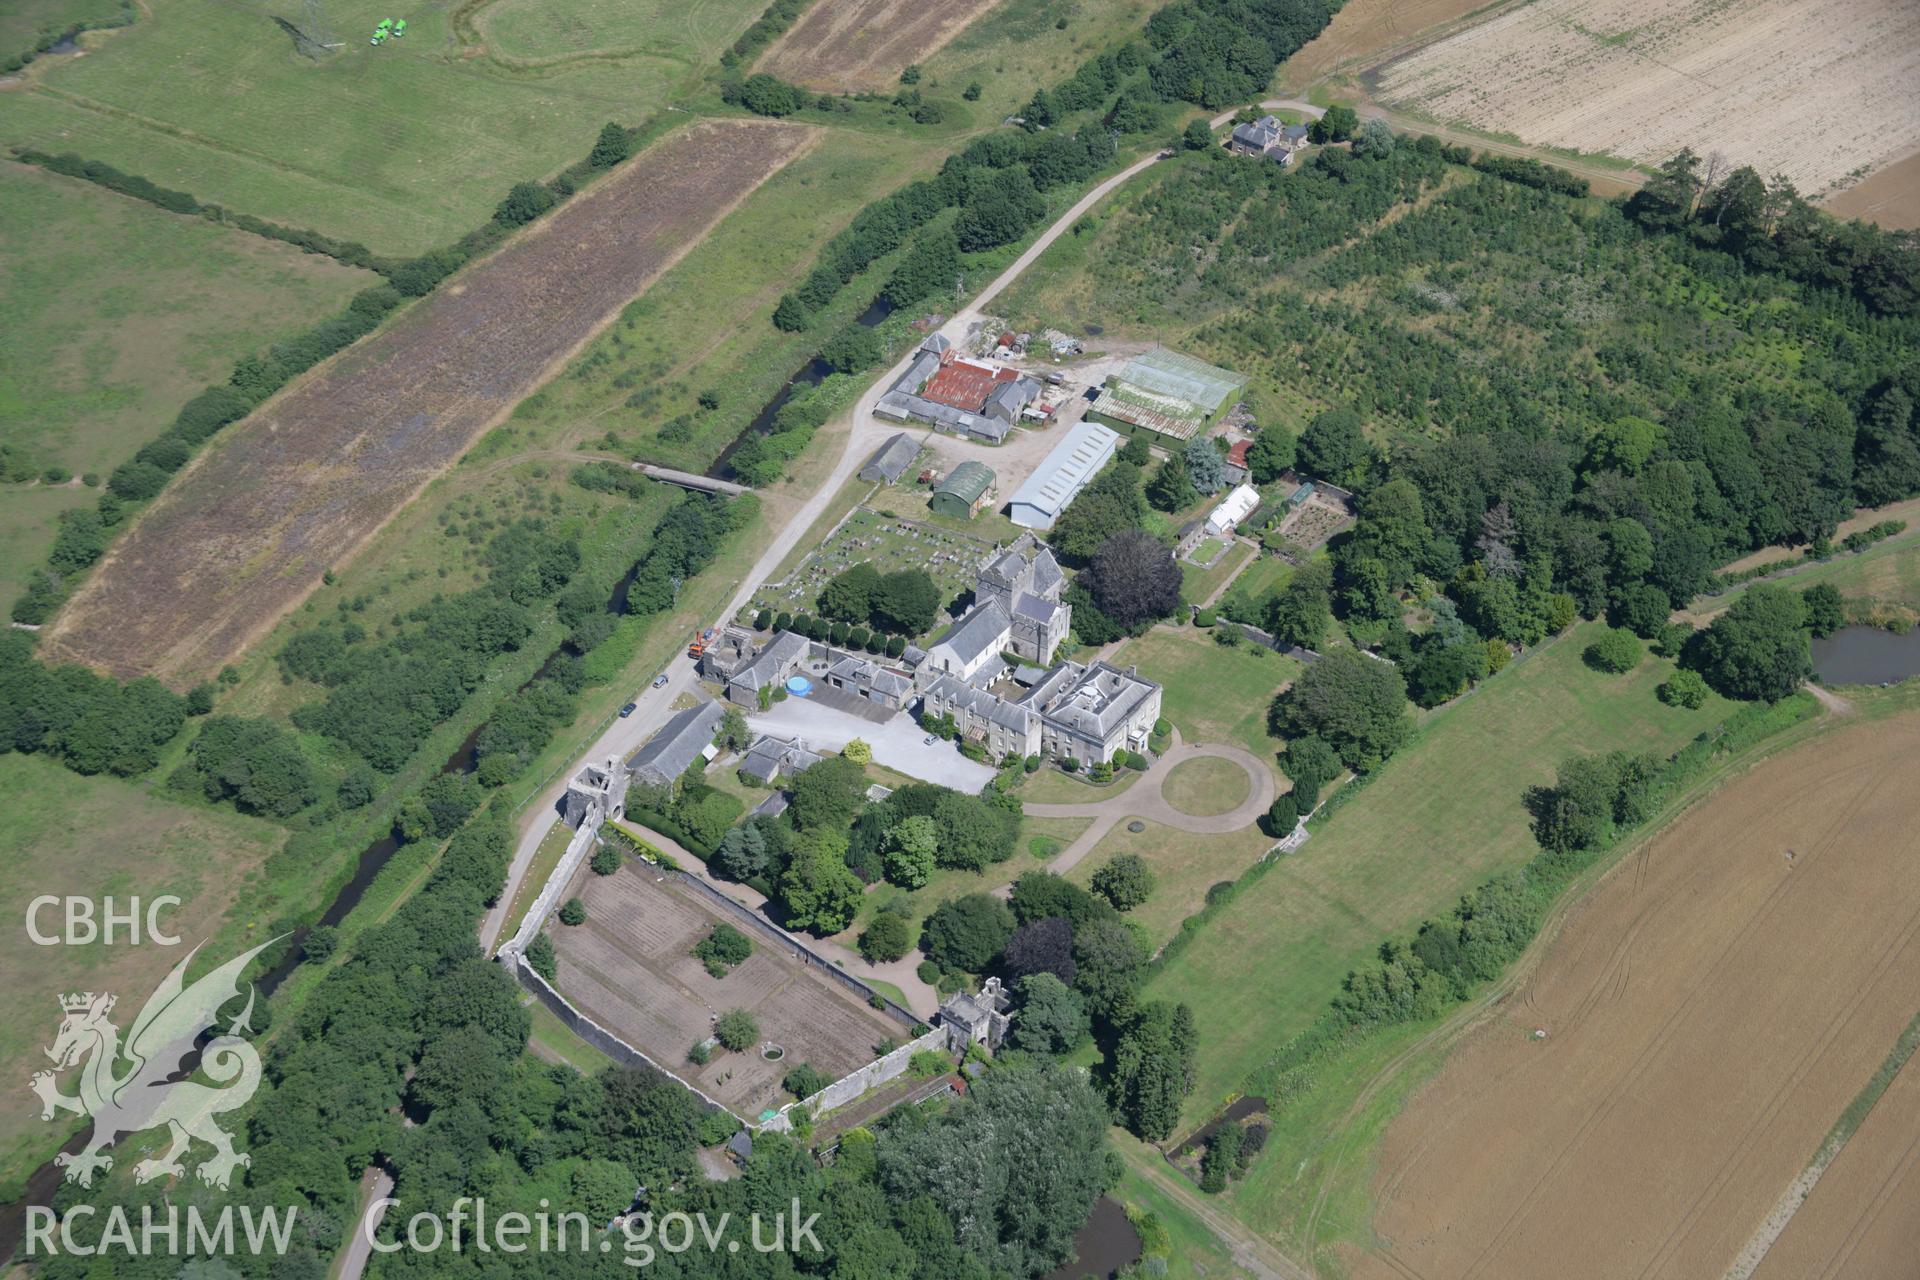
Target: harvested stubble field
point(248, 529)
point(1710, 1013)
point(845, 46)
point(630, 968)
point(1818, 92)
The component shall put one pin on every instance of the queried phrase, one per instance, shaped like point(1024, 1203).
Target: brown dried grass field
point(845, 46)
point(1710, 1013)
point(1819, 92)
point(246, 532)
point(630, 968)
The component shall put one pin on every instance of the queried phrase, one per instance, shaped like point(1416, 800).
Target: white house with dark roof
point(1090, 712)
point(684, 738)
point(1017, 609)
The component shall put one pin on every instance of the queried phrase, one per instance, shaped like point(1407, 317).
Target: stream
point(811, 374)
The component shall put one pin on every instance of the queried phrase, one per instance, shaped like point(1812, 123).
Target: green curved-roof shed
point(965, 490)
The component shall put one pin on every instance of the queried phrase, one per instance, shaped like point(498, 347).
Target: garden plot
point(1821, 93)
point(1309, 525)
point(888, 544)
point(630, 968)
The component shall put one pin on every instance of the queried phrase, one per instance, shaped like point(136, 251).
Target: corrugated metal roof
point(967, 481)
point(1083, 451)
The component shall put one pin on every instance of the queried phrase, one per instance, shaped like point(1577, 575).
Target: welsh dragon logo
point(140, 1085)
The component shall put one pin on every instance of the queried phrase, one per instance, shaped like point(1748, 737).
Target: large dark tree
point(1135, 579)
point(1044, 946)
point(1354, 703)
point(1758, 648)
point(967, 932)
point(1152, 1069)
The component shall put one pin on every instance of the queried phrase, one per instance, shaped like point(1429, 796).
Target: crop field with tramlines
point(1821, 93)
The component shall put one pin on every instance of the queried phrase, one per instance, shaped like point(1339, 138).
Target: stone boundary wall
point(592, 1032)
point(579, 849)
point(852, 1086)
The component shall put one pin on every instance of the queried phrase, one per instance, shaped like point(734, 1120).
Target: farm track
point(245, 532)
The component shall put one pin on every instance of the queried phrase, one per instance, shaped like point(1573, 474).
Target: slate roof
point(1260, 134)
point(768, 755)
point(892, 459)
point(765, 669)
point(1038, 608)
point(981, 704)
point(871, 674)
point(679, 742)
point(981, 631)
point(1089, 701)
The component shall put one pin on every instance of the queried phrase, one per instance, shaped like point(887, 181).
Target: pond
point(1866, 655)
point(1106, 1243)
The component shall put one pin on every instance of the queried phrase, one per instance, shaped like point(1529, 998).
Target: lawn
point(1265, 575)
point(1184, 867)
point(117, 313)
point(1212, 693)
point(1885, 574)
point(1052, 786)
point(1443, 815)
point(402, 147)
point(1197, 585)
point(1021, 44)
point(94, 838)
point(1206, 786)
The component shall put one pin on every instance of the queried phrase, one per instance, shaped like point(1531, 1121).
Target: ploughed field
point(243, 534)
point(630, 968)
point(1818, 92)
point(1709, 1014)
point(844, 46)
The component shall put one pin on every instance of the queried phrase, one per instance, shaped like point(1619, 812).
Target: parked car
point(927, 741)
point(628, 710)
point(660, 681)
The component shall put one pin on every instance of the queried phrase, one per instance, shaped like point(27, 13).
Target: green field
point(1184, 867)
point(23, 22)
point(1212, 693)
point(1443, 815)
point(537, 31)
point(116, 314)
point(94, 837)
point(401, 147)
point(706, 325)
